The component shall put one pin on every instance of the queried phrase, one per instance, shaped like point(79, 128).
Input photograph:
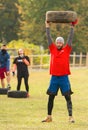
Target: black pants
point(51, 104)
point(19, 79)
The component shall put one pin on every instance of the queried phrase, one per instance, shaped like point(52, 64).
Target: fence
point(42, 61)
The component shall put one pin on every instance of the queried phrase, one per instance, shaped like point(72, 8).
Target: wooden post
point(87, 59)
point(41, 61)
point(74, 56)
point(80, 61)
point(31, 61)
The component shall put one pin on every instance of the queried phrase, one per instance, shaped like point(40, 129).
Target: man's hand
point(47, 24)
point(26, 61)
point(74, 23)
point(8, 73)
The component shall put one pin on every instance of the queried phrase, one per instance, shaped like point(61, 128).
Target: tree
point(9, 20)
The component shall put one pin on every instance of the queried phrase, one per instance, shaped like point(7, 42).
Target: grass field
point(27, 114)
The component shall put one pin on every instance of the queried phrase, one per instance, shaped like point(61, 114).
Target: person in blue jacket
point(4, 66)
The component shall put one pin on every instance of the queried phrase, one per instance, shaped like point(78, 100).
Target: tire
point(3, 91)
point(17, 94)
point(61, 16)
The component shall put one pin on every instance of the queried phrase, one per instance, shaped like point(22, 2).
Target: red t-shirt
point(59, 62)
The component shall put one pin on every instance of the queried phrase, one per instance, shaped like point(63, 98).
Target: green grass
point(27, 114)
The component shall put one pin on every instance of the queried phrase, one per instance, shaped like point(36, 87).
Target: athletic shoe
point(8, 86)
point(71, 120)
point(48, 119)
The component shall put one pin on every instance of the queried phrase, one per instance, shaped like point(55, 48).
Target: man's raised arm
point(49, 38)
point(71, 34)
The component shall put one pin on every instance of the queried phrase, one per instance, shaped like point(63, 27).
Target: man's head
point(59, 42)
point(21, 52)
point(3, 49)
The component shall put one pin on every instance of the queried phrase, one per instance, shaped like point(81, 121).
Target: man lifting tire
point(59, 71)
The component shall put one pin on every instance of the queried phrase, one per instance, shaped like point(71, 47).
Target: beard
point(3, 51)
point(59, 47)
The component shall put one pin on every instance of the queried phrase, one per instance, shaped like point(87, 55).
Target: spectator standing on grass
point(59, 70)
point(21, 63)
point(4, 66)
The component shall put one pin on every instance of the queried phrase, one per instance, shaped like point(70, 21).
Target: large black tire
point(17, 94)
point(3, 91)
point(61, 16)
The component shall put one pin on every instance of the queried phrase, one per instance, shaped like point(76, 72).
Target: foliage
point(9, 20)
point(28, 48)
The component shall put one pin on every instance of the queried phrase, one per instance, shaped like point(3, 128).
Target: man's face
point(21, 51)
point(3, 48)
point(59, 45)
